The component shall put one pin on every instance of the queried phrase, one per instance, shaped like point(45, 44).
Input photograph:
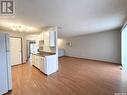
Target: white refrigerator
point(5, 66)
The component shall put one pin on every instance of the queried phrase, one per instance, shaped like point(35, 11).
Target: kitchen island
point(46, 62)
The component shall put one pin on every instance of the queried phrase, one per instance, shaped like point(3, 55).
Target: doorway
point(16, 51)
point(31, 48)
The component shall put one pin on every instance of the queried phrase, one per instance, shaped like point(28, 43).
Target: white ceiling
point(75, 17)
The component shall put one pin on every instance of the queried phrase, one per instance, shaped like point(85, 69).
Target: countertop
point(43, 54)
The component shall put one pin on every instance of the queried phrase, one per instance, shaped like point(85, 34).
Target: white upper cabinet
point(41, 40)
point(49, 39)
point(46, 39)
point(41, 36)
point(52, 39)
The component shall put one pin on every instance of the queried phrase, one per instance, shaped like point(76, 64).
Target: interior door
point(15, 51)
point(3, 66)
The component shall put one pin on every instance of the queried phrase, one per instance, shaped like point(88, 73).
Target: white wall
point(34, 37)
point(60, 43)
point(104, 46)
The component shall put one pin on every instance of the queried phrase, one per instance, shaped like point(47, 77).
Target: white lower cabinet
point(50, 64)
point(36, 61)
point(42, 65)
point(33, 60)
point(47, 64)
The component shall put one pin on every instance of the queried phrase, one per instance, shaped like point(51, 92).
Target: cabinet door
point(41, 36)
point(42, 68)
point(46, 39)
point(52, 39)
point(41, 43)
point(33, 59)
point(38, 62)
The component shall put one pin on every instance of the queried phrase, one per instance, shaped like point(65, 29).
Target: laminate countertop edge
point(44, 54)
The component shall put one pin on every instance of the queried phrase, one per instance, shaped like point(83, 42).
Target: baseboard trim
point(19, 64)
point(94, 60)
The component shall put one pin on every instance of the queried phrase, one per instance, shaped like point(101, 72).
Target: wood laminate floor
point(75, 77)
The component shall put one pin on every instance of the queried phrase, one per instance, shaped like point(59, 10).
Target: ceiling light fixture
point(14, 28)
point(27, 29)
point(21, 28)
point(18, 27)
